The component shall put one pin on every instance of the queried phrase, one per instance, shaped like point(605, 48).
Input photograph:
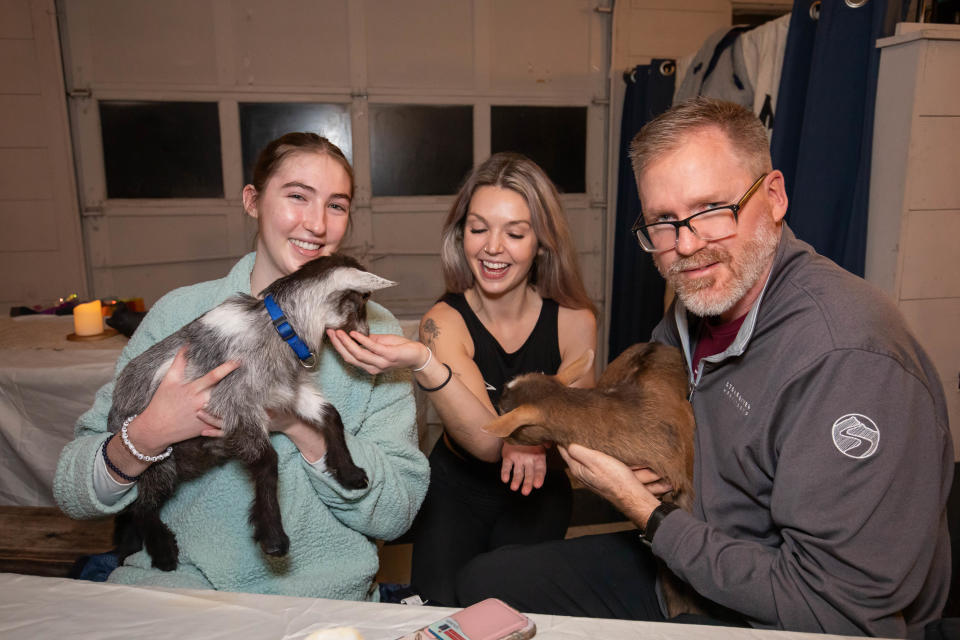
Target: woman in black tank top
point(515, 303)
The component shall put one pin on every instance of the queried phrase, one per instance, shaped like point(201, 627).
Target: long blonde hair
point(556, 271)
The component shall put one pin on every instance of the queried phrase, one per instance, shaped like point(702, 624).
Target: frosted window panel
point(553, 137)
point(418, 150)
point(161, 149)
point(262, 122)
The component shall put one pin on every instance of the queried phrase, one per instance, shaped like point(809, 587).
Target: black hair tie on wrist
point(442, 384)
point(112, 466)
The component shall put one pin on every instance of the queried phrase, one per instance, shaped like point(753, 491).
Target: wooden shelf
point(43, 541)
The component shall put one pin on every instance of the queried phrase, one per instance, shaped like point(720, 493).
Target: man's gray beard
point(695, 294)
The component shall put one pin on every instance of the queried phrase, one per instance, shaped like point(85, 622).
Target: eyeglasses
point(715, 223)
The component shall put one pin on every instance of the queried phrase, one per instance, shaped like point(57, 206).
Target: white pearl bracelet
point(133, 449)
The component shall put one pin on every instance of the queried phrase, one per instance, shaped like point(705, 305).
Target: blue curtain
point(638, 290)
point(824, 124)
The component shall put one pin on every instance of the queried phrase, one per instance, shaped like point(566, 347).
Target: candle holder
point(106, 333)
point(88, 323)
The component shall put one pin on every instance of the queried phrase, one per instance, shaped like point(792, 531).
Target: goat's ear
point(513, 420)
point(575, 370)
point(359, 280)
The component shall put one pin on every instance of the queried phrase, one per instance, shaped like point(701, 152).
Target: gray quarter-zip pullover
point(823, 460)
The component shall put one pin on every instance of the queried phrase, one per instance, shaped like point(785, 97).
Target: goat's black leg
point(250, 444)
point(339, 461)
point(127, 538)
point(265, 513)
point(154, 488)
point(324, 417)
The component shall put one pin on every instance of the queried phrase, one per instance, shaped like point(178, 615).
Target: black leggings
point(469, 511)
point(602, 576)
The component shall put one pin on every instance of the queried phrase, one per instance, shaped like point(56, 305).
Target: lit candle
point(87, 319)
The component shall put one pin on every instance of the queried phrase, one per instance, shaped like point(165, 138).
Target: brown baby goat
point(637, 413)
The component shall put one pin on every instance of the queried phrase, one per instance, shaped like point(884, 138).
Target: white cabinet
point(913, 234)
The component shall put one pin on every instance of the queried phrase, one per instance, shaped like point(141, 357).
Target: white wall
point(41, 256)
point(354, 52)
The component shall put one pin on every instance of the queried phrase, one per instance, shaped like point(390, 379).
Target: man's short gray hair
point(667, 131)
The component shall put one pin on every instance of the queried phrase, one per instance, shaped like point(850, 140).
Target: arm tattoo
point(430, 332)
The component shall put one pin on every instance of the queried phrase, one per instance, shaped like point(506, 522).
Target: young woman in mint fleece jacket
point(300, 195)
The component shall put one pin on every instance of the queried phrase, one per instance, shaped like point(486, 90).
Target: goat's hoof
point(163, 550)
point(164, 562)
point(355, 478)
point(277, 546)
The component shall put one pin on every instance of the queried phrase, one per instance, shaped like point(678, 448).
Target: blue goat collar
point(283, 327)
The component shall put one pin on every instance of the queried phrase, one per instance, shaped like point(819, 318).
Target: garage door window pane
point(553, 137)
point(420, 150)
point(261, 122)
point(161, 149)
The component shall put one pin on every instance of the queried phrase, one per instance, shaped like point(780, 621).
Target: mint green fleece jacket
point(332, 530)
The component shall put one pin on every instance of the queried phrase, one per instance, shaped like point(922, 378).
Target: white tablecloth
point(33, 607)
point(46, 382)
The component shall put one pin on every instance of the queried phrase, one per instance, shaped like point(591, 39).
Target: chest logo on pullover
point(741, 403)
point(856, 436)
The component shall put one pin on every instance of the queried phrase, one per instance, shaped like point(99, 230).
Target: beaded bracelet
point(442, 384)
point(133, 449)
point(424, 365)
point(114, 467)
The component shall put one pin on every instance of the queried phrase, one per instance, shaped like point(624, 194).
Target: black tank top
point(539, 353)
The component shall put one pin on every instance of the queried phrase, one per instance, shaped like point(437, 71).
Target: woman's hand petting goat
point(378, 353)
point(177, 412)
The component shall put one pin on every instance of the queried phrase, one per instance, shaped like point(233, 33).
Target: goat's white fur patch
point(228, 321)
point(281, 393)
point(310, 401)
point(160, 372)
point(349, 278)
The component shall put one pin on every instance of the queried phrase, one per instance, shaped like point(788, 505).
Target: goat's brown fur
point(637, 413)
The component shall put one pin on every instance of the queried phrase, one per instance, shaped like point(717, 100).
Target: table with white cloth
point(32, 607)
point(46, 382)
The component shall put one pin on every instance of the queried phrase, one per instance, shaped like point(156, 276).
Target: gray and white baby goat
point(638, 413)
point(328, 292)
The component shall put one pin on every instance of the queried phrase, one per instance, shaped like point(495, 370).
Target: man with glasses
point(823, 453)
